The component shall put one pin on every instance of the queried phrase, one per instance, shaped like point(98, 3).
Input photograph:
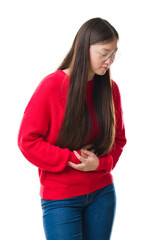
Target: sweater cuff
point(105, 163)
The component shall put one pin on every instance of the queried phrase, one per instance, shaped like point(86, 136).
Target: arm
point(89, 161)
point(109, 161)
point(34, 129)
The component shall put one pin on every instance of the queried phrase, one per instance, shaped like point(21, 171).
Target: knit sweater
point(38, 134)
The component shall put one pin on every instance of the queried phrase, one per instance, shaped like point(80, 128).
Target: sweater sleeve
point(34, 128)
point(109, 161)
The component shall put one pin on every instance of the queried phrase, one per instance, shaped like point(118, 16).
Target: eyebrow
point(108, 49)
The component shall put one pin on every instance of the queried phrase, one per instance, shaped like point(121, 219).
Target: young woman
point(73, 131)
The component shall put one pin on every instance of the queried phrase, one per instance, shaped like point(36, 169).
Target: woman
point(73, 131)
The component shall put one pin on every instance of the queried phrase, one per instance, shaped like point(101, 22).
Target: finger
point(71, 164)
point(92, 150)
point(82, 158)
point(77, 155)
point(87, 146)
point(84, 155)
point(75, 166)
point(88, 153)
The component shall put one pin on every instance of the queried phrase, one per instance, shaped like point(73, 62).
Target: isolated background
point(35, 37)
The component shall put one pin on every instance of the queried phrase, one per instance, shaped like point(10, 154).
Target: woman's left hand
point(89, 161)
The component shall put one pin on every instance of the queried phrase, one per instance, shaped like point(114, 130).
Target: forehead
point(106, 46)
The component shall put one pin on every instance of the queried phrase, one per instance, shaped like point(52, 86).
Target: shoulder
point(51, 86)
point(114, 86)
point(115, 90)
point(52, 82)
point(116, 97)
point(48, 90)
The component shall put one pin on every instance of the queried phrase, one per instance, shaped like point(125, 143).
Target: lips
point(105, 68)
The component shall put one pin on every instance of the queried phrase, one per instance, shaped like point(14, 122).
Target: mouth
point(105, 68)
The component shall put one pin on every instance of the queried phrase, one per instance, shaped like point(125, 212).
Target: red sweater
point(39, 131)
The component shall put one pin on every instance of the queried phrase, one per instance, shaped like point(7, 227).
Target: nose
point(109, 61)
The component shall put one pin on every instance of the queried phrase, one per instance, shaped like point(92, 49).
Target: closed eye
point(104, 55)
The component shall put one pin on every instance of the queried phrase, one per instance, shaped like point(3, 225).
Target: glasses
point(113, 56)
point(105, 56)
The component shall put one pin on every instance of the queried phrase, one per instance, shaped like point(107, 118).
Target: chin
point(101, 73)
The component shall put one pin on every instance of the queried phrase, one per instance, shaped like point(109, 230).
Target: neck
point(67, 71)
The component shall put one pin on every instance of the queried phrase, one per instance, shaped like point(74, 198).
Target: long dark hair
point(77, 124)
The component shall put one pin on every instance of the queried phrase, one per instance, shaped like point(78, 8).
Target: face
point(102, 56)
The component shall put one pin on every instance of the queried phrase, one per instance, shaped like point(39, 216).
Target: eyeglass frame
point(107, 56)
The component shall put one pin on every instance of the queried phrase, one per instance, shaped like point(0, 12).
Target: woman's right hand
point(88, 161)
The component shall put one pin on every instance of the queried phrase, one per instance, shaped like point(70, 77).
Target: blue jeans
point(86, 217)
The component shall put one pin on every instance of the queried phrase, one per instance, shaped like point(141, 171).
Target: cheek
point(95, 62)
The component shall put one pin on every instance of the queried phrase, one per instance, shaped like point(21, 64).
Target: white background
point(35, 36)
